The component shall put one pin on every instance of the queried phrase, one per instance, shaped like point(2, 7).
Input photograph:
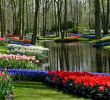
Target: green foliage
point(71, 30)
point(82, 28)
point(69, 25)
point(83, 39)
point(2, 43)
point(29, 30)
point(107, 47)
point(18, 64)
point(5, 85)
point(3, 50)
point(65, 40)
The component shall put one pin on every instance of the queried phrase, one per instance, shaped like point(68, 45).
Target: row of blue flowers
point(101, 43)
point(27, 75)
point(104, 74)
point(34, 75)
point(19, 43)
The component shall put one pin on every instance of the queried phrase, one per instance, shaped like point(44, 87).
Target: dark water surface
point(77, 57)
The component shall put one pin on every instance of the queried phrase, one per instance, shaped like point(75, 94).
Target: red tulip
point(54, 79)
point(101, 88)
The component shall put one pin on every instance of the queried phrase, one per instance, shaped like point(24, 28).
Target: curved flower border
point(88, 85)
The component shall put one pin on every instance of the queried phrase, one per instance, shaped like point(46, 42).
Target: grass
point(106, 47)
point(38, 91)
point(46, 38)
point(3, 49)
point(66, 39)
point(83, 39)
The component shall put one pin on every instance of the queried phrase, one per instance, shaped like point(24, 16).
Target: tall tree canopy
point(43, 17)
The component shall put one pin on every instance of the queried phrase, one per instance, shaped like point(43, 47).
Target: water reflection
point(103, 61)
point(77, 57)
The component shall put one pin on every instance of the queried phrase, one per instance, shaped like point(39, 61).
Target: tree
point(105, 15)
point(97, 19)
point(23, 28)
point(34, 36)
point(59, 15)
point(13, 8)
point(27, 17)
point(2, 17)
point(65, 21)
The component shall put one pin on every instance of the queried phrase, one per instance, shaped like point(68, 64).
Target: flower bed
point(89, 36)
point(73, 34)
point(5, 84)
point(104, 42)
point(18, 61)
point(27, 75)
point(2, 43)
point(15, 38)
point(17, 57)
point(27, 41)
point(38, 51)
point(81, 83)
point(106, 38)
point(13, 35)
point(16, 47)
point(73, 37)
point(101, 44)
point(19, 43)
point(20, 64)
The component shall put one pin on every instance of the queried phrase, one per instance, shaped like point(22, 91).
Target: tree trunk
point(59, 16)
point(35, 22)
point(65, 21)
point(77, 16)
point(107, 17)
point(89, 14)
point(23, 31)
point(43, 19)
point(27, 18)
point(72, 14)
point(2, 17)
point(97, 19)
point(13, 4)
point(20, 17)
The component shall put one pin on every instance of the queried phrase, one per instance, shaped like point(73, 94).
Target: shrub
point(65, 40)
point(2, 43)
point(71, 30)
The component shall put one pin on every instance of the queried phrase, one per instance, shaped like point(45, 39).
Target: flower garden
point(24, 62)
point(85, 84)
point(5, 84)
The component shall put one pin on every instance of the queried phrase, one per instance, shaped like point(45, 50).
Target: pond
point(77, 56)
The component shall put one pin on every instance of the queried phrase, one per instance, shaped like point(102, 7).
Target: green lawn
point(3, 49)
point(106, 47)
point(38, 91)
